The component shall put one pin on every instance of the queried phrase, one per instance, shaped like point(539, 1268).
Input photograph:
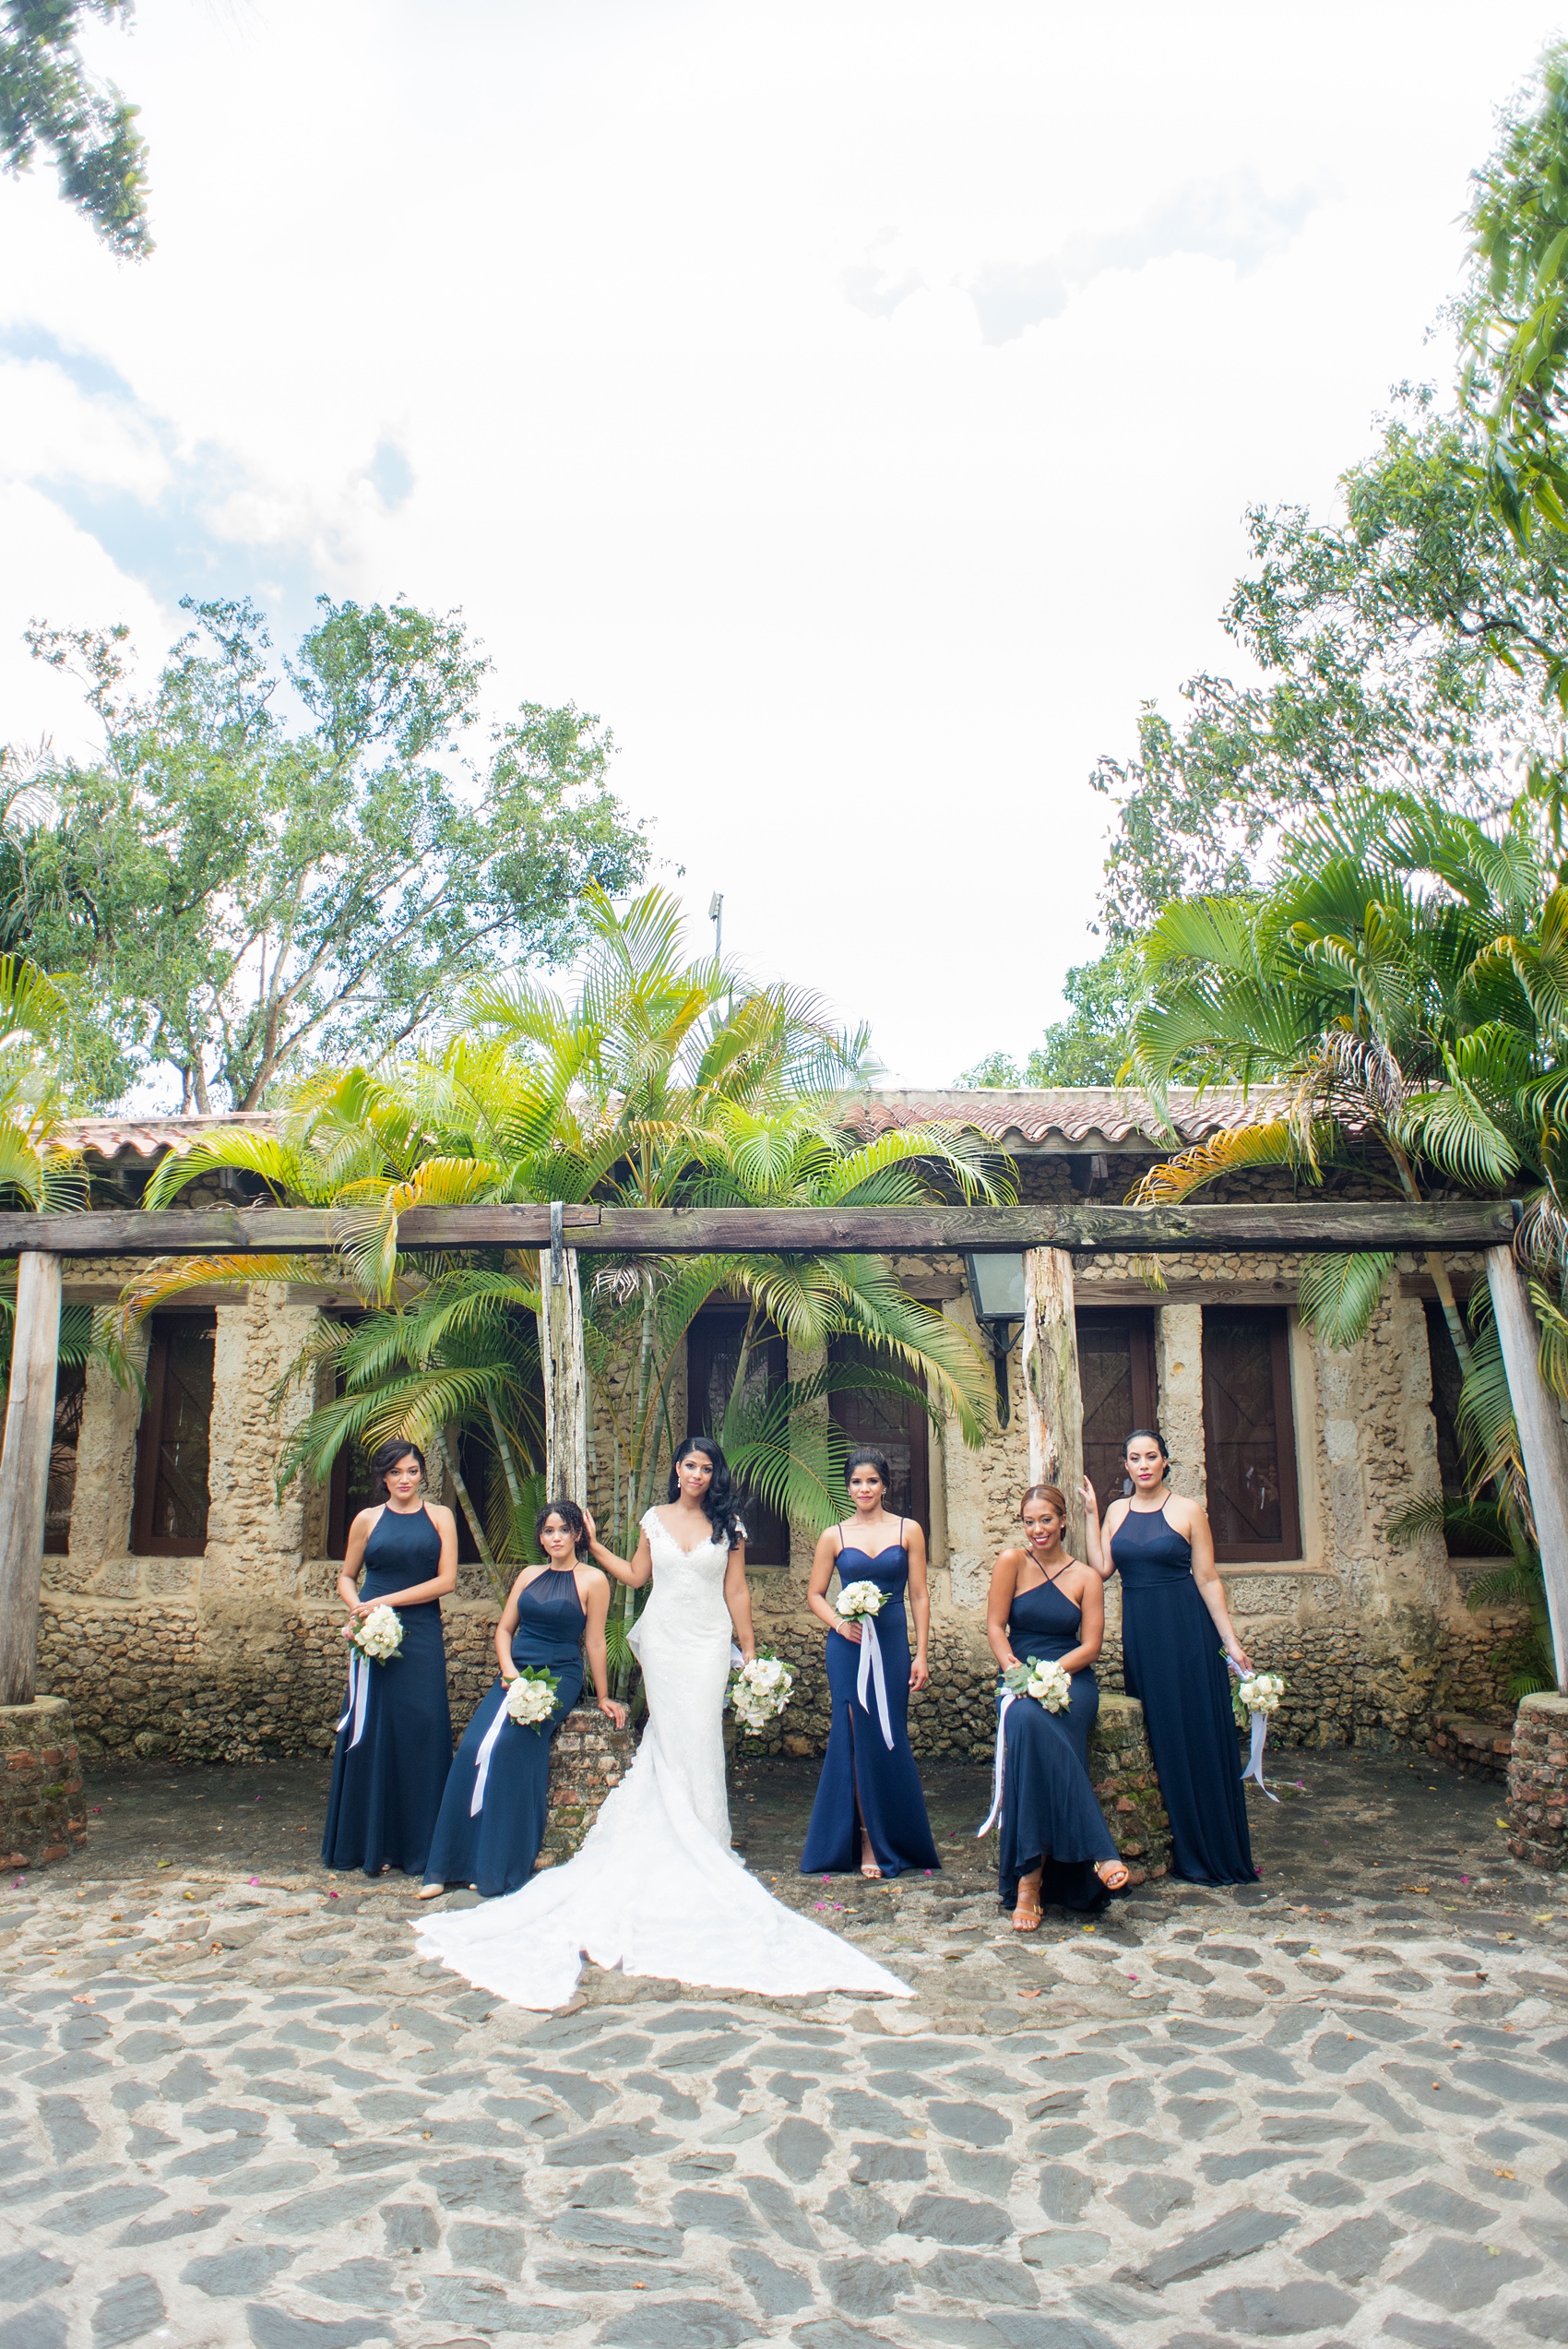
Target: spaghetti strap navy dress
point(869, 1803)
point(387, 1788)
point(1051, 1816)
point(1175, 1666)
point(494, 1848)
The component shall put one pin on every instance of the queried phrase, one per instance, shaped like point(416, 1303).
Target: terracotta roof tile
point(150, 1137)
point(1084, 1117)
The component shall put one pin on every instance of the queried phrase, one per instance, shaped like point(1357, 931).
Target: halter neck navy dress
point(387, 1790)
point(495, 1851)
point(1050, 1815)
point(869, 1803)
point(1175, 1666)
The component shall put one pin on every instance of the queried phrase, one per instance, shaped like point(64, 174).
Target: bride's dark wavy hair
point(721, 1502)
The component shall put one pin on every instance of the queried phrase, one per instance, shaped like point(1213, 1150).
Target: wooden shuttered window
point(1250, 1436)
point(713, 1359)
point(1117, 1382)
point(169, 1518)
point(893, 1424)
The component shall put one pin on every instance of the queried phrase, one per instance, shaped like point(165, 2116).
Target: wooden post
point(565, 1368)
point(1051, 1391)
point(24, 1471)
point(1543, 1438)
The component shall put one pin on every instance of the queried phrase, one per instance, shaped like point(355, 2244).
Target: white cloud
point(593, 321)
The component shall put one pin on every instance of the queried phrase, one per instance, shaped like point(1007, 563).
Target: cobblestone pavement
point(1329, 2109)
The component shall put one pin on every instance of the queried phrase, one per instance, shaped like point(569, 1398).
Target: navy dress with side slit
point(495, 1851)
point(869, 1803)
point(1176, 1668)
point(1051, 1816)
point(385, 1791)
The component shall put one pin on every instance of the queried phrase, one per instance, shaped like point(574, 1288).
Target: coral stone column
point(1538, 1783)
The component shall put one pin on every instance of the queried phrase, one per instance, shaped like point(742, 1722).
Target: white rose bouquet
point(760, 1690)
point(1256, 1692)
point(1042, 1680)
point(378, 1635)
point(859, 1600)
point(531, 1698)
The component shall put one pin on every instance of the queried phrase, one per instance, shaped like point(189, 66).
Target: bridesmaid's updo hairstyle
point(1052, 1495)
point(571, 1516)
point(1153, 1436)
point(868, 1458)
point(387, 1457)
point(719, 1500)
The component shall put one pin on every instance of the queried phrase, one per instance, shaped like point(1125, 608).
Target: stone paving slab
point(1331, 2109)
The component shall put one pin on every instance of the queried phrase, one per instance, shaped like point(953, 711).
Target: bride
point(656, 1889)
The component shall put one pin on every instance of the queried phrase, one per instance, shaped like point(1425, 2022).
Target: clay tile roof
point(150, 1137)
point(1076, 1117)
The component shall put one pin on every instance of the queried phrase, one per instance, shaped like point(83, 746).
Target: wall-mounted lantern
point(996, 1294)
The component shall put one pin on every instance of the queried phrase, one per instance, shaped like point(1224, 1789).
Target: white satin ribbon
point(1255, 1759)
point(1008, 1697)
point(482, 1769)
point(871, 1669)
point(358, 1696)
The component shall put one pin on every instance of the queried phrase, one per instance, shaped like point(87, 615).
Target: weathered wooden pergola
point(1047, 1237)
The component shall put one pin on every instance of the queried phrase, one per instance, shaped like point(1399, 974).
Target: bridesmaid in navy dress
point(1174, 1623)
point(870, 1812)
point(1054, 1842)
point(389, 1768)
point(553, 1612)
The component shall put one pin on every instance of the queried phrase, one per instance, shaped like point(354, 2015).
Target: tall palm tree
point(1405, 985)
point(661, 1081)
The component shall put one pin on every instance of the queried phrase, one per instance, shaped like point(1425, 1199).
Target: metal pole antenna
point(716, 915)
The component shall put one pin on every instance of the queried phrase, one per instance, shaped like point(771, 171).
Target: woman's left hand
point(1238, 1657)
point(920, 1674)
point(612, 1711)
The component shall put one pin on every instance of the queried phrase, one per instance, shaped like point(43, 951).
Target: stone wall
point(238, 1652)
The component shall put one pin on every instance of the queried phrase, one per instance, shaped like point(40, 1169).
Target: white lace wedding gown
point(656, 1889)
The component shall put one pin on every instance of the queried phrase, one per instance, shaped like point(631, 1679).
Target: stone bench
point(1476, 1745)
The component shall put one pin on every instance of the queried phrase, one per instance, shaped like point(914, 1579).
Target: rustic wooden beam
point(1543, 1440)
point(1082, 1228)
point(1052, 1392)
point(24, 1471)
point(564, 1359)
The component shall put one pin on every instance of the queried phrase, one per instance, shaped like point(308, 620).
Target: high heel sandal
point(1113, 1873)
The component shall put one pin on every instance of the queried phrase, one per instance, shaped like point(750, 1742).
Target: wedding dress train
point(656, 1889)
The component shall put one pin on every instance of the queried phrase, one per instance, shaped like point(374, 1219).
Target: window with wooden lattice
point(169, 1518)
point(1250, 1436)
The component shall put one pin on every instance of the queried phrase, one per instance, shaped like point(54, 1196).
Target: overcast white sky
point(854, 402)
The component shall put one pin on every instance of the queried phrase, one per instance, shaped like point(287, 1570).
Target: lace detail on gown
point(656, 1889)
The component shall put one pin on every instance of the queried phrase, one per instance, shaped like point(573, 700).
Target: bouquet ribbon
point(1009, 1697)
point(487, 1748)
point(1255, 1754)
point(359, 1695)
point(871, 1669)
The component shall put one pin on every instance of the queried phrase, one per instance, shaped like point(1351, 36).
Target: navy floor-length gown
point(1051, 1816)
point(495, 1850)
point(869, 1803)
point(1175, 1667)
point(387, 1790)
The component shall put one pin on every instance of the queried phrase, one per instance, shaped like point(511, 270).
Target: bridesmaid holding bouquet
point(494, 1811)
point(1174, 1626)
point(395, 1740)
point(1046, 1607)
point(870, 1812)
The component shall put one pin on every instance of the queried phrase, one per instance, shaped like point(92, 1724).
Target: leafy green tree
point(276, 862)
point(50, 104)
point(659, 1082)
point(1406, 645)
